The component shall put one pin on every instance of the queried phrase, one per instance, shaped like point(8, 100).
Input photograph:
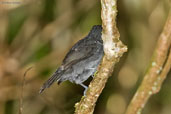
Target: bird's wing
point(79, 51)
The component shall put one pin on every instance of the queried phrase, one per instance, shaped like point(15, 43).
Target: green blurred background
point(39, 33)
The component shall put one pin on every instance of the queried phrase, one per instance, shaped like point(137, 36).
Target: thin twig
point(22, 90)
point(156, 73)
point(113, 49)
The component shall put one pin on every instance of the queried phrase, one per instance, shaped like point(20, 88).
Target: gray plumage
point(81, 61)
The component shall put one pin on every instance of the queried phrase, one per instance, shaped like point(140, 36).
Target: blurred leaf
point(44, 110)
point(48, 12)
point(45, 72)
point(40, 52)
point(78, 19)
point(89, 19)
point(16, 20)
point(9, 107)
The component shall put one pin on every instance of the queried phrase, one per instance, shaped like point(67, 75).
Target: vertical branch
point(157, 72)
point(113, 49)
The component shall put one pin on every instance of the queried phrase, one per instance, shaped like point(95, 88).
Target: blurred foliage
point(17, 18)
point(39, 33)
point(48, 14)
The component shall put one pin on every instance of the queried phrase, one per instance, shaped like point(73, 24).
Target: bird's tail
point(51, 80)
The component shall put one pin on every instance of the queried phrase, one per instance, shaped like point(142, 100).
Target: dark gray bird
point(81, 61)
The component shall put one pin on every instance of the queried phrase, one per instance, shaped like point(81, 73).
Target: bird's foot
point(85, 87)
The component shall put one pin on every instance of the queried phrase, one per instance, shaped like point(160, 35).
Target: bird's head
point(96, 32)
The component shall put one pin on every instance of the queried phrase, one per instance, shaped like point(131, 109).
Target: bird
point(81, 61)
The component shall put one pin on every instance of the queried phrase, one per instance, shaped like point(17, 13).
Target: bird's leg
point(85, 87)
